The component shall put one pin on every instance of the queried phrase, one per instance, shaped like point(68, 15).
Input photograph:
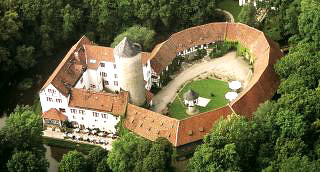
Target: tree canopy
point(138, 34)
point(73, 161)
point(27, 162)
point(132, 153)
point(20, 138)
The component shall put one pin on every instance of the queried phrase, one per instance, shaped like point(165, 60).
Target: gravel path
point(229, 66)
point(228, 14)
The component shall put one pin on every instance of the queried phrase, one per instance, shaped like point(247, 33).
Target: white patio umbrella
point(231, 96)
point(234, 85)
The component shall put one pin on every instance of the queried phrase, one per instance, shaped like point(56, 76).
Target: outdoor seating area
point(90, 136)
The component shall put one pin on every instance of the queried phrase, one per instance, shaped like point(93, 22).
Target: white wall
point(89, 121)
point(87, 118)
point(55, 95)
point(94, 79)
point(147, 75)
point(111, 71)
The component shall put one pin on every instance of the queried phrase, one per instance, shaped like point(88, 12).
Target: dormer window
point(102, 64)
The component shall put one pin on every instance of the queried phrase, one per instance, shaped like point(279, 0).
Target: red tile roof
point(99, 101)
point(69, 70)
point(261, 87)
point(54, 114)
point(151, 125)
point(98, 53)
point(196, 127)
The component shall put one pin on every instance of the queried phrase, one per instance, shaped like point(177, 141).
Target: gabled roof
point(97, 54)
point(99, 101)
point(69, 70)
point(54, 114)
point(151, 125)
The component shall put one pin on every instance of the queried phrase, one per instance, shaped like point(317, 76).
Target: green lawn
point(230, 5)
point(204, 88)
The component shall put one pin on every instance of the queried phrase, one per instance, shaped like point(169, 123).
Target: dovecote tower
point(128, 59)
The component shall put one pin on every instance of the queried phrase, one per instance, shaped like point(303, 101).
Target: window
point(82, 118)
point(81, 80)
point(95, 114)
point(92, 86)
point(81, 111)
point(73, 117)
point(49, 99)
point(116, 83)
point(102, 64)
point(115, 76)
point(51, 91)
point(62, 110)
point(106, 82)
point(73, 110)
point(96, 120)
point(103, 74)
point(58, 100)
point(117, 117)
point(114, 66)
point(104, 115)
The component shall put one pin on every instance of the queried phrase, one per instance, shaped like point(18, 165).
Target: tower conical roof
point(126, 48)
point(190, 95)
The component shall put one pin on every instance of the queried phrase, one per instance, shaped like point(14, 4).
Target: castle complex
point(93, 85)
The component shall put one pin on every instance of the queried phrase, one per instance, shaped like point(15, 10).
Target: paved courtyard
point(229, 66)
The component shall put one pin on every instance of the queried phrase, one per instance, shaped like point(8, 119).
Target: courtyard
point(229, 67)
point(211, 89)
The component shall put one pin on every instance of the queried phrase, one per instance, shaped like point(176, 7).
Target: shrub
point(221, 48)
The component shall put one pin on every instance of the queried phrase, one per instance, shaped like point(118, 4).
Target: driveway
point(229, 65)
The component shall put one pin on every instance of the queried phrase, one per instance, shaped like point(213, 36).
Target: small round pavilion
point(191, 100)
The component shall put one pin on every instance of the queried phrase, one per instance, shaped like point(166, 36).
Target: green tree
point(247, 15)
point(27, 162)
point(231, 145)
point(95, 156)
point(71, 19)
point(128, 152)
point(159, 157)
point(25, 57)
point(103, 166)
point(73, 161)
point(142, 35)
point(208, 158)
point(309, 21)
point(23, 130)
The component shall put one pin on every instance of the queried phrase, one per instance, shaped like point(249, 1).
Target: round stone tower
point(128, 60)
